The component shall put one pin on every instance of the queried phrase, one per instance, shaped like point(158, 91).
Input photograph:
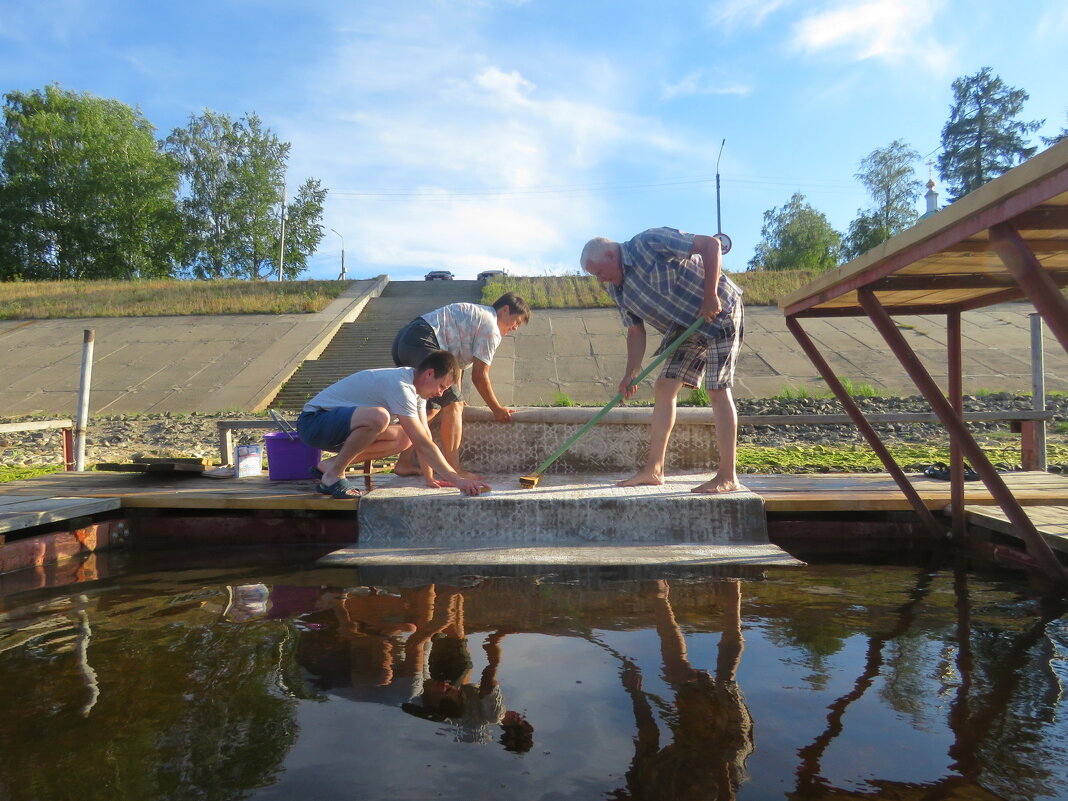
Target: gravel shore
point(124, 437)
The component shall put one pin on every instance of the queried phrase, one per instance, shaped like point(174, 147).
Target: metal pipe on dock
point(83, 399)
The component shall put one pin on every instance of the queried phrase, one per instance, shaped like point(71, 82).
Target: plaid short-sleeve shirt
point(664, 286)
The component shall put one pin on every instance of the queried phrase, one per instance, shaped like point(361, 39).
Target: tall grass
point(583, 291)
point(41, 300)
point(856, 390)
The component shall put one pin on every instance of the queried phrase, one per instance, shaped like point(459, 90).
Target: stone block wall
point(618, 442)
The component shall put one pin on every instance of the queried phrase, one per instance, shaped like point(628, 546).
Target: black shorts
point(414, 343)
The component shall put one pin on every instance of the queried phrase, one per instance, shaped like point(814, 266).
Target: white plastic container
point(249, 461)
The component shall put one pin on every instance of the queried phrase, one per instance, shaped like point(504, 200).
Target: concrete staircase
point(365, 343)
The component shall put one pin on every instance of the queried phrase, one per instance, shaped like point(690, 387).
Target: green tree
point(982, 138)
point(84, 190)
point(796, 237)
point(865, 232)
point(889, 175)
point(233, 178)
point(1052, 140)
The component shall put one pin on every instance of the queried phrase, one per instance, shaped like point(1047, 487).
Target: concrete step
point(582, 519)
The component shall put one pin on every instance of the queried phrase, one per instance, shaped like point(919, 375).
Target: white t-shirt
point(392, 388)
point(466, 330)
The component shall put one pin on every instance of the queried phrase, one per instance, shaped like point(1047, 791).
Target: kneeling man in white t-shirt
point(377, 413)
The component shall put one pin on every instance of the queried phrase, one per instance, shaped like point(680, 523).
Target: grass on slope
point(583, 291)
point(41, 300)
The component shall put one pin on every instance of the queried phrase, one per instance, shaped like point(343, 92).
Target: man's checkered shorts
point(713, 359)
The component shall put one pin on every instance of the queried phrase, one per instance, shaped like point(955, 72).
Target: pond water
point(214, 681)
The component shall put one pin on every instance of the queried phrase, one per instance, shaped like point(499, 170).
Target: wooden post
point(1028, 431)
point(1038, 393)
point(226, 445)
point(68, 449)
point(83, 399)
point(955, 362)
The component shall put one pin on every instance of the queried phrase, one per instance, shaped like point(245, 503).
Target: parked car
point(485, 275)
point(439, 275)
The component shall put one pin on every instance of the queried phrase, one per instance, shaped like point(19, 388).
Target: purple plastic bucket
point(289, 459)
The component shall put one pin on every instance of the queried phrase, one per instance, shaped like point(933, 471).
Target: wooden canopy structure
point(1007, 240)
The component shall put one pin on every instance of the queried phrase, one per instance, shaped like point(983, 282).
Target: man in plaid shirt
point(668, 278)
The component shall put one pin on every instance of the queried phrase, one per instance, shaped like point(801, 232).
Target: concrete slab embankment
point(239, 362)
point(166, 364)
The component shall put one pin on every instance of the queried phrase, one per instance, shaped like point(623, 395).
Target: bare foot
point(407, 464)
point(643, 478)
point(719, 484)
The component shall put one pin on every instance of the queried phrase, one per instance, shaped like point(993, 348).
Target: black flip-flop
point(940, 471)
point(342, 489)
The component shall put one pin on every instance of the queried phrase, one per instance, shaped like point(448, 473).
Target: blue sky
point(502, 134)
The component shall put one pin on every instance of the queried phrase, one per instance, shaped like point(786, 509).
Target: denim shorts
point(326, 429)
point(414, 343)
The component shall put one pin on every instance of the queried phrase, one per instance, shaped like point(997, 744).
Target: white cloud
point(696, 83)
point(1053, 24)
point(448, 155)
point(895, 30)
point(743, 13)
point(509, 86)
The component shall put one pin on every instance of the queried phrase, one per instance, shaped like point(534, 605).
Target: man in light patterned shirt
point(471, 332)
point(668, 279)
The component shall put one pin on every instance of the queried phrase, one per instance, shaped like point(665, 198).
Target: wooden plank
point(876, 419)
point(311, 501)
point(1051, 522)
point(160, 466)
point(152, 491)
point(35, 425)
point(831, 492)
point(31, 512)
point(875, 492)
point(185, 460)
point(120, 467)
point(240, 425)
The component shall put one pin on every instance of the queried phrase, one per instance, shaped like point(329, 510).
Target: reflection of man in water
point(448, 695)
point(388, 660)
point(712, 729)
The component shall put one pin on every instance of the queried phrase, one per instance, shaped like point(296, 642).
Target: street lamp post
point(342, 276)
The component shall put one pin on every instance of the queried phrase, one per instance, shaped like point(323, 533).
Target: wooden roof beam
point(933, 283)
point(1042, 247)
point(855, 310)
point(1041, 218)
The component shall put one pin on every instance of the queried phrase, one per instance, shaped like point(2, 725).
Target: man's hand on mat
point(467, 486)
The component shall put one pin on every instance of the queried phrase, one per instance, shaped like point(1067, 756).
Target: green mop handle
point(619, 395)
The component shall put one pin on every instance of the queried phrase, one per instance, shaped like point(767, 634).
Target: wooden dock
point(100, 508)
point(831, 493)
point(27, 511)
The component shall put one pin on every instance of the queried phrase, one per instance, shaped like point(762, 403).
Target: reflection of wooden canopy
point(1005, 241)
